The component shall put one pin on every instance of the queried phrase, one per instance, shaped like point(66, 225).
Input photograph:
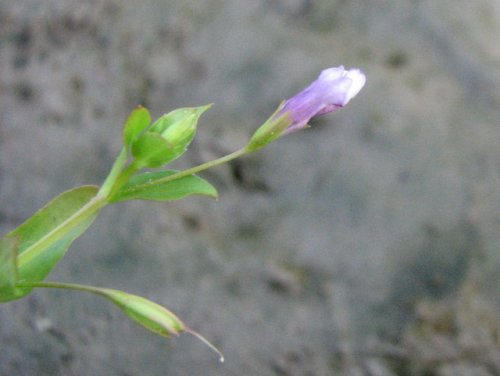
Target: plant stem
point(194, 170)
point(123, 178)
point(56, 285)
point(117, 168)
point(116, 179)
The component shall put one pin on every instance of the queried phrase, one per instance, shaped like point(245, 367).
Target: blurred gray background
point(366, 245)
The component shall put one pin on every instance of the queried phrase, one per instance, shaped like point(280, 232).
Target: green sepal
point(138, 120)
point(178, 127)
point(148, 186)
point(272, 129)
point(8, 268)
point(39, 244)
point(151, 150)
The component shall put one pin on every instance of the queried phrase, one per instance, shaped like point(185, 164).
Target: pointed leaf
point(8, 267)
point(148, 186)
point(137, 121)
point(40, 244)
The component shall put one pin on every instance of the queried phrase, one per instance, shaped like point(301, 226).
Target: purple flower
point(333, 89)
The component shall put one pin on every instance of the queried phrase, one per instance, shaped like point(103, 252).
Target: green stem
point(56, 285)
point(116, 179)
point(194, 170)
point(117, 168)
point(123, 178)
point(204, 166)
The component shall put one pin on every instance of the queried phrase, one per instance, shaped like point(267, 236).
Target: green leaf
point(151, 150)
point(138, 120)
point(148, 186)
point(8, 267)
point(42, 240)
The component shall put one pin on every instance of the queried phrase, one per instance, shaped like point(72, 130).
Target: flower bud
point(146, 313)
point(333, 89)
point(167, 138)
point(179, 126)
point(150, 315)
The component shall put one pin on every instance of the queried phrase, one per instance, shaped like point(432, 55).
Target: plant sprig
point(30, 252)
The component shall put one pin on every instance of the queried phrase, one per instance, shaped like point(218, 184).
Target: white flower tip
point(358, 80)
point(332, 74)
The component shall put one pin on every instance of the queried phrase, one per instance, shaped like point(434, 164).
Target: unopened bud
point(333, 89)
point(168, 137)
point(148, 314)
point(179, 126)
